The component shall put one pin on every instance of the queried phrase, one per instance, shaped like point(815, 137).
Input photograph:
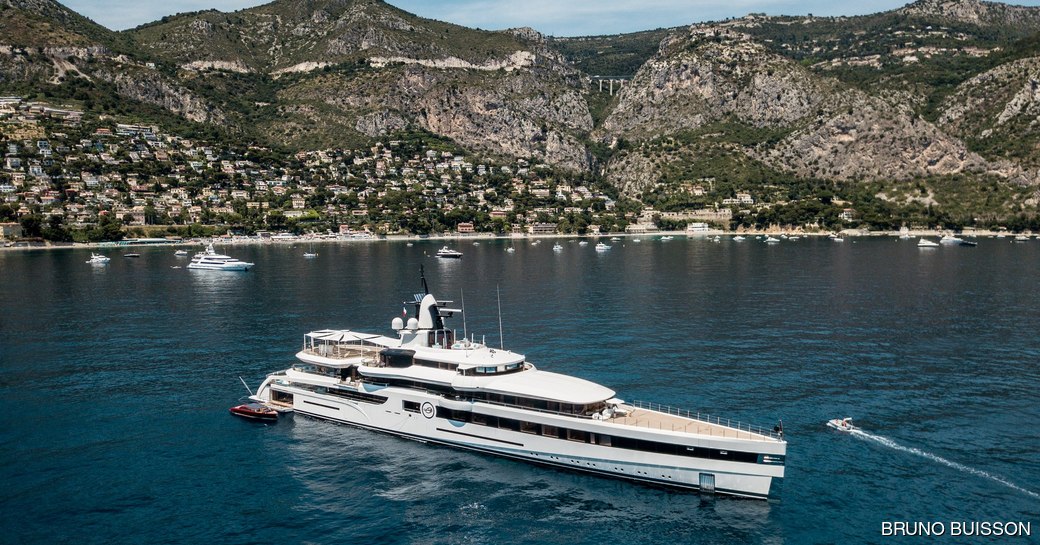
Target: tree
point(56, 230)
point(32, 225)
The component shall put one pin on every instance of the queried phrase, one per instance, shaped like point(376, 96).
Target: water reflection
point(455, 495)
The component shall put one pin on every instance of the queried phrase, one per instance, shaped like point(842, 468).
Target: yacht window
point(578, 435)
point(410, 406)
point(550, 431)
point(396, 357)
point(478, 418)
point(529, 427)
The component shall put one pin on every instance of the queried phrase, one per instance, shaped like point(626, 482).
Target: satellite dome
point(397, 324)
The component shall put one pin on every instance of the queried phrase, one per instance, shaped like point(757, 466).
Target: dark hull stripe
point(480, 437)
point(320, 405)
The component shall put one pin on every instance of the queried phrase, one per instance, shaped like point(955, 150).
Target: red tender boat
point(255, 411)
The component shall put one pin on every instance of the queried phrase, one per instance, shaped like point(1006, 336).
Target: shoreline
point(459, 238)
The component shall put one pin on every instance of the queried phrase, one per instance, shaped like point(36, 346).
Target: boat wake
point(959, 467)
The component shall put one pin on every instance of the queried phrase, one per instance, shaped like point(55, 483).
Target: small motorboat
point(255, 411)
point(181, 253)
point(925, 243)
point(98, 259)
point(842, 424)
point(310, 254)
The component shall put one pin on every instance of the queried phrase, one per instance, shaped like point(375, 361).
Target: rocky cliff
point(937, 88)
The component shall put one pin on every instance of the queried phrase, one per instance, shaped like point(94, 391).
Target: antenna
point(462, 296)
point(246, 385)
point(501, 341)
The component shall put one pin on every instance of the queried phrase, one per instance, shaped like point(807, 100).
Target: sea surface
point(115, 384)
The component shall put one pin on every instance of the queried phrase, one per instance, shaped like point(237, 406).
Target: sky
point(551, 17)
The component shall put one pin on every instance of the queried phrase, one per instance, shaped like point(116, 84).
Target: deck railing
point(339, 351)
point(725, 422)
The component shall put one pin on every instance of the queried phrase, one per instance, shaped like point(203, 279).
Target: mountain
point(975, 12)
point(322, 69)
point(938, 90)
point(49, 50)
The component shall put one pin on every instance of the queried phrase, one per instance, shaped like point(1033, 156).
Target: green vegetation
point(613, 55)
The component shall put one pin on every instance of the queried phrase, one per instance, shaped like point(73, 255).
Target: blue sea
point(115, 384)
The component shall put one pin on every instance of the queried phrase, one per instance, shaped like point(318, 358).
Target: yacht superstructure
point(425, 384)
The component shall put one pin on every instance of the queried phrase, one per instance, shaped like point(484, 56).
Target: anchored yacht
point(425, 384)
point(211, 260)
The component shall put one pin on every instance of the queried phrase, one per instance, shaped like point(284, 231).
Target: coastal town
point(69, 177)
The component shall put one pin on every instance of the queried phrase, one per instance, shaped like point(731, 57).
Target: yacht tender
point(426, 384)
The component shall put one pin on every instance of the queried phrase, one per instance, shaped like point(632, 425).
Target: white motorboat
point(425, 384)
point(772, 240)
point(97, 259)
point(181, 253)
point(510, 249)
point(447, 252)
point(925, 243)
point(310, 254)
point(950, 239)
point(557, 247)
point(583, 243)
point(842, 424)
point(667, 237)
point(1021, 238)
point(601, 247)
point(739, 238)
point(212, 261)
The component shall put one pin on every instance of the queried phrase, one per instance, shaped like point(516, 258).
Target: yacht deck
point(644, 418)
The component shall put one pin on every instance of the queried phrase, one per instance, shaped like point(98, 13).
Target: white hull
point(428, 425)
point(220, 267)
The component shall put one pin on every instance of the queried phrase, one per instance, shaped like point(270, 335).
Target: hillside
point(937, 93)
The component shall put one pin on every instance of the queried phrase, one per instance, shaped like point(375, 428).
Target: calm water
point(116, 381)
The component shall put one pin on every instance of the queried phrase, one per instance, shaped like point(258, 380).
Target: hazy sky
point(553, 17)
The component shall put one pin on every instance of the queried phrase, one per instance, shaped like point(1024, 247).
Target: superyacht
point(211, 260)
point(426, 384)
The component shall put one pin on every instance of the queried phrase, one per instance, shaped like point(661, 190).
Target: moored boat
point(98, 259)
point(255, 411)
point(211, 260)
point(447, 252)
point(925, 243)
point(424, 383)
